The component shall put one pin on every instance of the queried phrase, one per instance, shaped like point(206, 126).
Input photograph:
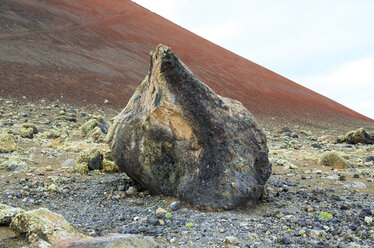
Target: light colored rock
point(232, 240)
point(14, 164)
point(7, 143)
point(95, 129)
point(368, 220)
point(92, 157)
point(45, 225)
point(327, 138)
point(358, 185)
point(7, 213)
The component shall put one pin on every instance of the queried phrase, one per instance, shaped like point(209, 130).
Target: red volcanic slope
point(85, 51)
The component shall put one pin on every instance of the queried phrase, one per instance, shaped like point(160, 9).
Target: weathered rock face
point(7, 143)
point(177, 137)
point(42, 224)
point(356, 137)
point(7, 213)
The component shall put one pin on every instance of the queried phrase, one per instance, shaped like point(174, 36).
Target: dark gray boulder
point(177, 137)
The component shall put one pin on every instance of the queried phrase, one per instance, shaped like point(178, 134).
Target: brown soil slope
point(85, 51)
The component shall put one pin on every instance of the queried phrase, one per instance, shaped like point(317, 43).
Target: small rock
point(92, 157)
point(7, 213)
point(161, 212)
point(7, 143)
point(368, 220)
point(231, 240)
point(132, 191)
point(106, 101)
point(359, 185)
point(175, 205)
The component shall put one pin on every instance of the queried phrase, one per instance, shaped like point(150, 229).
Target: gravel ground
point(305, 204)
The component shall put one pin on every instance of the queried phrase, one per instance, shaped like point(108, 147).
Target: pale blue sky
point(327, 46)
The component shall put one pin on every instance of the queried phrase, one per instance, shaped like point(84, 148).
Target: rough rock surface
point(356, 137)
point(95, 129)
point(7, 143)
point(45, 225)
point(7, 213)
point(110, 241)
point(177, 137)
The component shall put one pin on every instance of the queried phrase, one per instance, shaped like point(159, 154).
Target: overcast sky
point(325, 45)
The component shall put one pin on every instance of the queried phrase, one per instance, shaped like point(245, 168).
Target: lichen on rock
point(7, 213)
point(177, 137)
point(95, 129)
point(44, 225)
point(7, 143)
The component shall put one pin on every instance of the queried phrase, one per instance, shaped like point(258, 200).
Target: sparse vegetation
point(324, 215)
point(190, 224)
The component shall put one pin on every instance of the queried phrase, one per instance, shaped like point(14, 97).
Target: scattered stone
point(175, 205)
point(35, 129)
point(358, 185)
point(81, 168)
point(27, 133)
point(370, 159)
point(232, 240)
point(95, 129)
point(109, 166)
point(92, 157)
point(327, 138)
point(177, 137)
point(161, 211)
point(7, 143)
point(368, 220)
point(131, 191)
point(106, 101)
point(14, 164)
point(110, 241)
point(69, 163)
point(333, 159)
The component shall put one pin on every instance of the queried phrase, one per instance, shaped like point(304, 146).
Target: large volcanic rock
point(177, 137)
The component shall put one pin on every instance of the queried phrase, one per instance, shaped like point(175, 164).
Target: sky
point(324, 45)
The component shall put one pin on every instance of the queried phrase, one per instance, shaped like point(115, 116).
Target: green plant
point(168, 215)
point(289, 230)
point(324, 215)
point(190, 224)
point(372, 236)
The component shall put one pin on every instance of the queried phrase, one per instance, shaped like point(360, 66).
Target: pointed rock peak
point(177, 137)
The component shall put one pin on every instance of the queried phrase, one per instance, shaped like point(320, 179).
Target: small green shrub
point(324, 215)
point(190, 224)
point(168, 215)
point(372, 236)
point(289, 230)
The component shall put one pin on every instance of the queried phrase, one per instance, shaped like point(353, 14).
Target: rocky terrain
point(306, 204)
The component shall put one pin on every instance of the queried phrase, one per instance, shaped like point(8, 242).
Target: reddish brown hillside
point(85, 51)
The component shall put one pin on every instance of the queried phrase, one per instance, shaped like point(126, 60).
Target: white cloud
point(351, 84)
